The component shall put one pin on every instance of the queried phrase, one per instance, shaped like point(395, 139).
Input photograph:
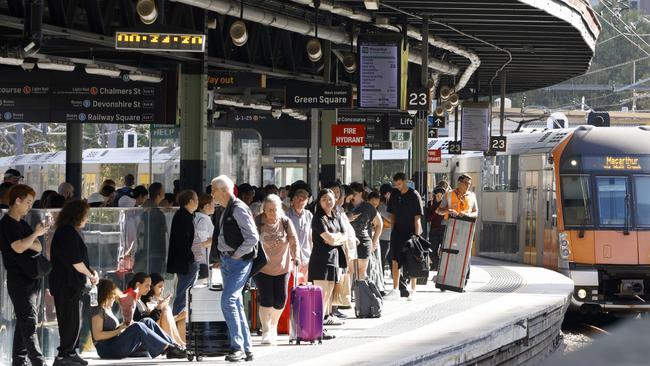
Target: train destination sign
point(65, 97)
point(318, 96)
point(179, 42)
point(619, 162)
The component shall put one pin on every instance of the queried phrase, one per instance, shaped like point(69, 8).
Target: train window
point(642, 198)
point(575, 200)
point(612, 195)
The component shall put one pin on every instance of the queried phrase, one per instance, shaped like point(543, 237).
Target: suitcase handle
point(450, 251)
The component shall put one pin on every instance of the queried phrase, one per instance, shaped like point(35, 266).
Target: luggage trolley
point(455, 253)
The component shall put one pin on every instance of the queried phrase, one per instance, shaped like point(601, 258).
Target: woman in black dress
point(70, 273)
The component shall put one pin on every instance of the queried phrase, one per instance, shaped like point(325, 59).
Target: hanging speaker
point(445, 92)
point(314, 50)
point(238, 33)
point(146, 10)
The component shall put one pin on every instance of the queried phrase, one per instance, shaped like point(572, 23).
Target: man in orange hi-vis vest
point(460, 202)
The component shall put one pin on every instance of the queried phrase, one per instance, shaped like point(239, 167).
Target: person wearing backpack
point(278, 236)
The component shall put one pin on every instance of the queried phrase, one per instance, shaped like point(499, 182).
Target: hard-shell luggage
point(306, 314)
point(368, 302)
point(207, 332)
point(284, 324)
point(455, 253)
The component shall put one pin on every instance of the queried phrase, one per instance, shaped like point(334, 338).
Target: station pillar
point(74, 156)
point(420, 155)
point(193, 104)
point(327, 151)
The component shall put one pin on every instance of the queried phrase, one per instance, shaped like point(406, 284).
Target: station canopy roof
point(542, 42)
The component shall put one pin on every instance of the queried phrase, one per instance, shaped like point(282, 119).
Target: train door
point(530, 191)
point(550, 253)
point(616, 242)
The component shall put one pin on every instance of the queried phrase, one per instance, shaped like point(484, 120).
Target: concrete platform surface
point(509, 314)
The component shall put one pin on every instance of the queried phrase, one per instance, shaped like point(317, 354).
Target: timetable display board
point(379, 71)
point(475, 126)
point(142, 41)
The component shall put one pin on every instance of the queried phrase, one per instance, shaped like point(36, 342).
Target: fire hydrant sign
point(434, 156)
point(349, 135)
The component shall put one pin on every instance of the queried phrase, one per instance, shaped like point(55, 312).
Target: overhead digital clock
point(159, 41)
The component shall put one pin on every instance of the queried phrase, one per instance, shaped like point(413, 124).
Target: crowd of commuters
point(342, 232)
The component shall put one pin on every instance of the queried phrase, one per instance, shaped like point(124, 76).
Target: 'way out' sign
point(349, 135)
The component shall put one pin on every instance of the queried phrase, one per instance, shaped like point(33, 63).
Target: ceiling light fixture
point(102, 70)
point(53, 64)
point(146, 10)
point(238, 32)
point(144, 76)
point(371, 4)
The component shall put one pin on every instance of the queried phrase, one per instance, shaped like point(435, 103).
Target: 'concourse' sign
point(318, 96)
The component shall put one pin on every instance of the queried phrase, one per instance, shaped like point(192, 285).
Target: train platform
point(509, 313)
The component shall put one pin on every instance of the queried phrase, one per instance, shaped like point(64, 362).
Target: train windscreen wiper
point(626, 228)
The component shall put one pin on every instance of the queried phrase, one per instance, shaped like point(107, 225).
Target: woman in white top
point(203, 229)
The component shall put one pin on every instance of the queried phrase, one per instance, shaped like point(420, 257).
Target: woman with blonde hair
point(278, 236)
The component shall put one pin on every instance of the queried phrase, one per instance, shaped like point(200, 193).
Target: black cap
point(13, 173)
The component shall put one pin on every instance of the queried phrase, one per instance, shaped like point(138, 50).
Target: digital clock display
point(160, 41)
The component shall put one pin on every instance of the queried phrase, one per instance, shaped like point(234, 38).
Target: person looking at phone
point(18, 243)
point(114, 340)
point(155, 308)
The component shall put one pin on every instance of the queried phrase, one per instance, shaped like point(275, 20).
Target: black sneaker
point(249, 356)
point(337, 313)
point(174, 352)
point(237, 356)
point(327, 336)
point(65, 361)
point(78, 359)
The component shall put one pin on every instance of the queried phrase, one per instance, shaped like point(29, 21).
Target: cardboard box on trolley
point(455, 253)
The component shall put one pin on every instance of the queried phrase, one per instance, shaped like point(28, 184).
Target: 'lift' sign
point(348, 135)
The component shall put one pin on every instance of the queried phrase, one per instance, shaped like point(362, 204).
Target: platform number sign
point(418, 99)
point(498, 143)
point(454, 148)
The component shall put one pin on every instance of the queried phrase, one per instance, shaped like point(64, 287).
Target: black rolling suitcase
point(207, 332)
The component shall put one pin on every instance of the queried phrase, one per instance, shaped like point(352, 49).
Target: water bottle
point(93, 296)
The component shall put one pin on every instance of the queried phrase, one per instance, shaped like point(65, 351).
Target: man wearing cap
point(13, 176)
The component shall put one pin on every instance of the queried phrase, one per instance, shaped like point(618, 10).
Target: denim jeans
point(183, 283)
point(143, 333)
point(235, 274)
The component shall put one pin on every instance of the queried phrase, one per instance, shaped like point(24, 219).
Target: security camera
point(412, 112)
point(276, 113)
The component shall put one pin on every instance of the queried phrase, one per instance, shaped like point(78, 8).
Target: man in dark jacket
point(152, 233)
point(236, 237)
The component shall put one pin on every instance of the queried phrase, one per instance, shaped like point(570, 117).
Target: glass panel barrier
point(120, 241)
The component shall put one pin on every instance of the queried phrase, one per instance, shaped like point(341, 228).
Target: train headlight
point(582, 293)
point(564, 245)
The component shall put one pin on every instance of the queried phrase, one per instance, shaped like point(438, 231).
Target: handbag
point(260, 260)
point(40, 266)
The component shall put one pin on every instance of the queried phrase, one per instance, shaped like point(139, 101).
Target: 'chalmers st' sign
point(317, 96)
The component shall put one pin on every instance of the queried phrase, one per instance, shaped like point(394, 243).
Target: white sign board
point(379, 72)
point(475, 126)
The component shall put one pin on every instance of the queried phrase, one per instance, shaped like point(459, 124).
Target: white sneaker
point(266, 338)
point(392, 295)
point(273, 336)
point(333, 320)
point(411, 296)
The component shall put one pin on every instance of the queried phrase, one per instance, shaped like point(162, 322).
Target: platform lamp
point(238, 32)
point(146, 10)
point(314, 49)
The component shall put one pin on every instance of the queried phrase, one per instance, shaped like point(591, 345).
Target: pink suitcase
point(306, 314)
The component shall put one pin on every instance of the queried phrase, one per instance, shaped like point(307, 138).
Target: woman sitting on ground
point(154, 299)
point(114, 340)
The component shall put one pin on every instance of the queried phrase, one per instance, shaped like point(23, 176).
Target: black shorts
point(364, 248)
point(397, 243)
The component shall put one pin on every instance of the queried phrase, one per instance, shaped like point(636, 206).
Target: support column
point(356, 162)
point(193, 105)
point(328, 152)
point(73, 156)
point(314, 155)
point(419, 163)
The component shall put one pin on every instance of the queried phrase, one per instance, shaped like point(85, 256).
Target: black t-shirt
point(68, 248)
point(405, 207)
point(363, 223)
point(324, 254)
point(11, 231)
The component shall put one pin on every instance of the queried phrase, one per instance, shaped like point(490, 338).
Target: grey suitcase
point(455, 252)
